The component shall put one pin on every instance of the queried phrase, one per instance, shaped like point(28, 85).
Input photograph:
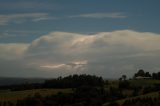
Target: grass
point(136, 83)
point(144, 82)
point(13, 96)
point(152, 95)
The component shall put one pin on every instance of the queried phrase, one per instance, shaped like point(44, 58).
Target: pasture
point(12, 96)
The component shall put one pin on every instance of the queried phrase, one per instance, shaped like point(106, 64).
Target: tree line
point(71, 81)
point(74, 81)
point(142, 73)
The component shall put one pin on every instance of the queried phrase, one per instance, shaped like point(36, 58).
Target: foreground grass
point(152, 95)
point(13, 96)
point(136, 83)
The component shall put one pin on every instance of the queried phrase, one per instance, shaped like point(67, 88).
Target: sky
point(51, 38)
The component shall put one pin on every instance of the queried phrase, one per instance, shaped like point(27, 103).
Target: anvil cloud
point(103, 53)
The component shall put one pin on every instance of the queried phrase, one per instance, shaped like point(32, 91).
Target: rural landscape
point(85, 90)
point(79, 53)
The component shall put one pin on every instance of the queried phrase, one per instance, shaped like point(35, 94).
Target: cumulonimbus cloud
point(103, 53)
point(12, 50)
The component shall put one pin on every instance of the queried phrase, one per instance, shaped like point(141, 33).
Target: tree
point(140, 73)
point(147, 74)
point(120, 79)
point(124, 77)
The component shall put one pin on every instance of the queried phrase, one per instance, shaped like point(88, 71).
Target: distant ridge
point(18, 80)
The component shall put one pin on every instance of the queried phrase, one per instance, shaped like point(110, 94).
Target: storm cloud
point(109, 54)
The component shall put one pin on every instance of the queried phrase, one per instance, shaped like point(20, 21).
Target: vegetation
point(74, 81)
point(151, 95)
point(85, 90)
point(13, 96)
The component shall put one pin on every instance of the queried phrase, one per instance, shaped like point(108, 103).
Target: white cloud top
point(104, 53)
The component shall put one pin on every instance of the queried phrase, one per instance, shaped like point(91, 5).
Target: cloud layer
point(100, 15)
point(19, 18)
point(109, 54)
point(23, 17)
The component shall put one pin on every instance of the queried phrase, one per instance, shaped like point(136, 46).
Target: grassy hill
point(152, 95)
point(7, 95)
point(136, 83)
point(144, 82)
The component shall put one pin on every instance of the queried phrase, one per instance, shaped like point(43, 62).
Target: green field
point(152, 95)
point(13, 96)
point(144, 82)
point(136, 83)
point(141, 82)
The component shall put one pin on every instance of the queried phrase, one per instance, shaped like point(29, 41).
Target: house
point(141, 77)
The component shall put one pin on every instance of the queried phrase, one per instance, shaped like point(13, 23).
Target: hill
point(15, 81)
point(13, 96)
